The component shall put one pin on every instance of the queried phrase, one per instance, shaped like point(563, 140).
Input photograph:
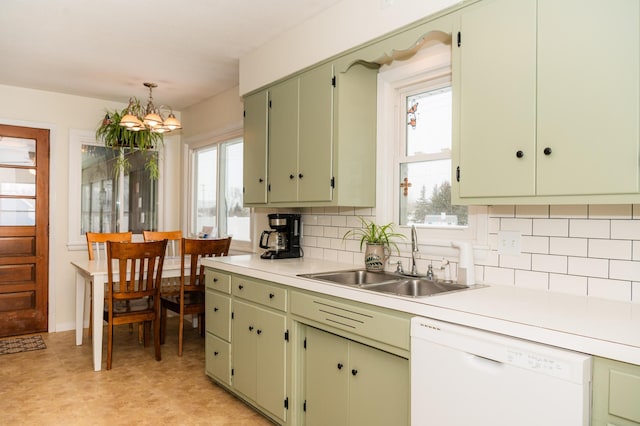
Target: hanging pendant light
point(151, 118)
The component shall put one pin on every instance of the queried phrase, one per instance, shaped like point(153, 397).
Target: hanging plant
point(126, 141)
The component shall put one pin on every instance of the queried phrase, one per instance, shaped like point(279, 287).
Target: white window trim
point(430, 63)
point(76, 240)
point(201, 141)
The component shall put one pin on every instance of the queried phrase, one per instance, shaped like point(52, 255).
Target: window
point(415, 117)
point(216, 189)
point(425, 158)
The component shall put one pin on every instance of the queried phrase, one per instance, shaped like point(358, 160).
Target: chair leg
point(163, 325)
point(146, 332)
point(180, 333)
point(156, 338)
point(109, 346)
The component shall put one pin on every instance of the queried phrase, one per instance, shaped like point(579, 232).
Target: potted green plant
point(126, 141)
point(378, 240)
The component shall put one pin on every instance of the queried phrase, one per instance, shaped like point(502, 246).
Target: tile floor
point(57, 385)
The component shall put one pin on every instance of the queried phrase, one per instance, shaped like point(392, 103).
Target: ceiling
point(96, 49)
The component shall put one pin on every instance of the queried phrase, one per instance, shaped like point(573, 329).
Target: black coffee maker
point(283, 241)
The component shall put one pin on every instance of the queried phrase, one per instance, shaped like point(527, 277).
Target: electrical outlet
point(509, 242)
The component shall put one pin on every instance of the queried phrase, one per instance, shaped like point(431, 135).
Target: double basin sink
point(384, 282)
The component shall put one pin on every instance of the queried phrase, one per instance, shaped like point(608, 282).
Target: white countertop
point(595, 326)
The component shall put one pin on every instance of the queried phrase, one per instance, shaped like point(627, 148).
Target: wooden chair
point(190, 300)
point(97, 249)
point(136, 297)
point(173, 237)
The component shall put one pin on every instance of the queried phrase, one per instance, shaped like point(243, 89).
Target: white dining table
point(94, 272)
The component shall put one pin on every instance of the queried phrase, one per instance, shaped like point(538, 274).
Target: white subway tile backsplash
point(499, 276)
point(609, 289)
point(551, 227)
point(532, 211)
point(610, 249)
point(330, 255)
point(608, 211)
point(569, 211)
point(625, 229)
point(521, 261)
point(636, 250)
point(624, 270)
point(569, 284)
point(338, 221)
point(589, 228)
point(331, 232)
point(549, 263)
point(522, 225)
point(535, 244)
point(635, 292)
point(323, 242)
point(324, 220)
point(587, 267)
point(636, 211)
point(530, 279)
point(568, 246)
point(313, 252)
point(502, 211)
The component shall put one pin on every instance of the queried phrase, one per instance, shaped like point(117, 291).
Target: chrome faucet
point(414, 250)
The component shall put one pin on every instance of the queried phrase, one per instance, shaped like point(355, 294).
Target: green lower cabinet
point(259, 356)
point(351, 384)
point(616, 393)
point(217, 362)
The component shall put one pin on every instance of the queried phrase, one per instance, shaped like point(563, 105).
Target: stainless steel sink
point(356, 277)
point(390, 283)
point(416, 287)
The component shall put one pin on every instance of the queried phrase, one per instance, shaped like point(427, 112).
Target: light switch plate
point(509, 242)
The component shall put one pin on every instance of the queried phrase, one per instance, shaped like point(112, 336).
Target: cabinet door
point(496, 82)
point(326, 379)
point(218, 314)
point(616, 389)
point(316, 135)
point(283, 142)
point(244, 349)
point(588, 96)
point(255, 148)
point(379, 387)
point(272, 359)
point(217, 362)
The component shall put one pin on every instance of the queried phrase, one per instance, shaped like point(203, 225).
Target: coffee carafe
point(283, 240)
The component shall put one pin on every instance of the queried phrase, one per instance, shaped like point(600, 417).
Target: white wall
point(26, 107)
point(347, 24)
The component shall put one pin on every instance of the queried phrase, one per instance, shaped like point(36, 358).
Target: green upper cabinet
point(255, 148)
point(321, 138)
point(547, 101)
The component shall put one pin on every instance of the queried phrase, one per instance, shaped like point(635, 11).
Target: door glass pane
point(17, 181)
point(17, 152)
point(17, 211)
point(429, 122)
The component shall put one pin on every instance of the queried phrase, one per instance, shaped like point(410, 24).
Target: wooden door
point(24, 223)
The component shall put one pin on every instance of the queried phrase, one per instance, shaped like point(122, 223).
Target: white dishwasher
point(461, 376)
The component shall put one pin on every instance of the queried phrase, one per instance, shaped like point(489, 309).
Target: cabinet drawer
point(218, 281)
point(218, 314)
point(260, 292)
point(217, 361)
point(353, 317)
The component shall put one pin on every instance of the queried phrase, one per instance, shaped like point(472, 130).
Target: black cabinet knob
point(291, 176)
point(240, 287)
point(215, 353)
point(215, 280)
point(547, 151)
point(260, 180)
point(271, 295)
point(519, 154)
point(259, 331)
point(340, 366)
point(250, 328)
point(300, 176)
point(354, 372)
point(215, 309)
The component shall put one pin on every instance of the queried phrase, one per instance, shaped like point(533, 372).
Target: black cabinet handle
point(340, 366)
point(215, 280)
point(547, 151)
point(271, 295)
point(215, 309)
point(260, 180)
point(519, 154)
point(354, 371)
point(215, 353)
point(300, 176)
point(259, 331)
point(250, 328)
point(291, 176)
point(240, 287)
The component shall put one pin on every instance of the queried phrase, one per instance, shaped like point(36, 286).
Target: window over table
point(216, 192)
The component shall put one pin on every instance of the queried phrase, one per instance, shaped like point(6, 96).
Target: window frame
point(431, 64)
point(204, 142)
point(75, 239)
